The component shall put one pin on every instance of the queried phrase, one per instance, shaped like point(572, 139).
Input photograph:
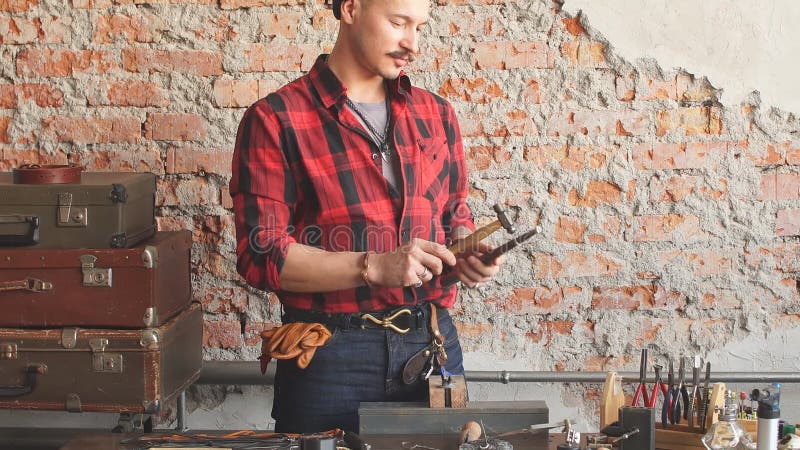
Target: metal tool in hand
point(694, 395)
point(452, 277)
point(666, 408)
point(469, 242)
point(641, 389)
point(658, 386)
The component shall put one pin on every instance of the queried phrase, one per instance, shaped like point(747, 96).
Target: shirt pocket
point(434, 170)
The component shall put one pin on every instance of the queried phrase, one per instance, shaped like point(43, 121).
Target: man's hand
point(412, 264)
point(471, 271)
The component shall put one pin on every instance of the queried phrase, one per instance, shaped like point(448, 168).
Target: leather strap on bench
point(47, 174)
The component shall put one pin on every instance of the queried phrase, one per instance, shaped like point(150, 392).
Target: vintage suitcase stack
point(96, 305)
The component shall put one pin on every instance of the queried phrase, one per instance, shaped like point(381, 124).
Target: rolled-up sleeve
point(264, 198)
point(457, 212)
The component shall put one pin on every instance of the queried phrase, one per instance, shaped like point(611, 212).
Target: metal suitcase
point(134, 287)
point(76, 369)
point(106, 209)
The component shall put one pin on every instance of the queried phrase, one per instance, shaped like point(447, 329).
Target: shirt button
point(374, 156)
point(404, 234)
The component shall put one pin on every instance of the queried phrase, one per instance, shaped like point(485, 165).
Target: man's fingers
point(438, 250)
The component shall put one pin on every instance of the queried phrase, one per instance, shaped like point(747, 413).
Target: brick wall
point(668, 219)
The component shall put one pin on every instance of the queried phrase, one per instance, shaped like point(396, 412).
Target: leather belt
point(400, 320)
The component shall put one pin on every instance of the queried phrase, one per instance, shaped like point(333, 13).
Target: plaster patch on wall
point(740, 46)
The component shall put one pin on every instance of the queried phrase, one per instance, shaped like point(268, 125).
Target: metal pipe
point(180, 415)
point(249, 373)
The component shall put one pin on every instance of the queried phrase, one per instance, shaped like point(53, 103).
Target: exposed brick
point(472, 330)
point(694, 90)
point(666, 227)
point(141, 27)
point(769, 155)
point(780, 186)
point(194, 191)
point(576, 264)
point(573, 25)
point(702, 263)
point(215, 28)
point(17, 30)
point(598, 123)
point(175, 127)
point(570, 230)
point(234, 4)
point(188, 160)
point(516, 123)
point(252, 332)
point(570, 157)
point(624, 87)
point(225, 197)
point(549, 328)
point(597, 192)
point(782, 258)
point(432, 59)
point(145, 159)
point(44, 95)
point(476, 90)
point(651, 89)
point(219, 300)
point(721, 299)
point(283, 24)
point(211, 230)
point(32, 62)
point(92, 130)
point(792, 152)
point(470, 25)
point(241, 93)
point(585, 52)
point(5, 122)
point(10, 159)
point(193, 62)
point(531, 95)
point(323, 21)
point(679, 187)
point(222, 334)
point(8, 96)
point(126, 93)
point(480, 157)
point(511, 55)
point(540, 299)
point(18, 6)
point(623, 297)
point(787, 222)
point(691, 155)
point(691, 121)
point(280, 57)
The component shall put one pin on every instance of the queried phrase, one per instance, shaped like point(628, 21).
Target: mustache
point(403, 55)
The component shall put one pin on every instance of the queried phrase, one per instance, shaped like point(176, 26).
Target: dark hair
point(336, 6)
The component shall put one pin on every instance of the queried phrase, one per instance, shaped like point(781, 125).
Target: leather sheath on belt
point(292, 340)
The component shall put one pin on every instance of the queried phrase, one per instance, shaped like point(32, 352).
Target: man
point(347, 184)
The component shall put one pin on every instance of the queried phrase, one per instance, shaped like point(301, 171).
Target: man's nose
point(410, 41)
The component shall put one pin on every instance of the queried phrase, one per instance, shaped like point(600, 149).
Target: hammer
point(481, 233)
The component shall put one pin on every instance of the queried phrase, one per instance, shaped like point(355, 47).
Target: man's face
point(385, 34)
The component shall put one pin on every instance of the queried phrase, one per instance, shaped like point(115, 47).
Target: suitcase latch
point(102, 361)
point(94, 276)
point(69, 216)
point(8, 351)
point(69, 337)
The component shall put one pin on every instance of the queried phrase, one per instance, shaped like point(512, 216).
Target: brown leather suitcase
point(77, 369)
point(103, 210)
point(134, 287)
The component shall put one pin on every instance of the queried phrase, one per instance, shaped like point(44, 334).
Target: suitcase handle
point(28, 284)
point(19, 240)
point(47, 174)
point(31, 374)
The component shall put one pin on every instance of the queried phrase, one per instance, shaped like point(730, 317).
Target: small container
point(727, 433)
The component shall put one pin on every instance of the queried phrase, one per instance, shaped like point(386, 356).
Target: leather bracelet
point(365, 269)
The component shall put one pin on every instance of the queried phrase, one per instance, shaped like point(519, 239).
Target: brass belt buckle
point(386, 322)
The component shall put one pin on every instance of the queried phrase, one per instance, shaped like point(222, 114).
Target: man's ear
point(347, 10)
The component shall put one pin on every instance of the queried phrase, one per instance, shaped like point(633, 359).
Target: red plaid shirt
point(304, 170)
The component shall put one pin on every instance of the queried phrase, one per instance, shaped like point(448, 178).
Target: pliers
point(679, 395)
point(658, 386)
point(695, 394)
point(641, 390)
point(666, 409)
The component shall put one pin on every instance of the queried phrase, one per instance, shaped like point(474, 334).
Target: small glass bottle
point(727, 433)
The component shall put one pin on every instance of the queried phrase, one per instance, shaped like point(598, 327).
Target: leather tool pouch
point(415, 365)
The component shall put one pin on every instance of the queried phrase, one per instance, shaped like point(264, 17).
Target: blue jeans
point(354, 366)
